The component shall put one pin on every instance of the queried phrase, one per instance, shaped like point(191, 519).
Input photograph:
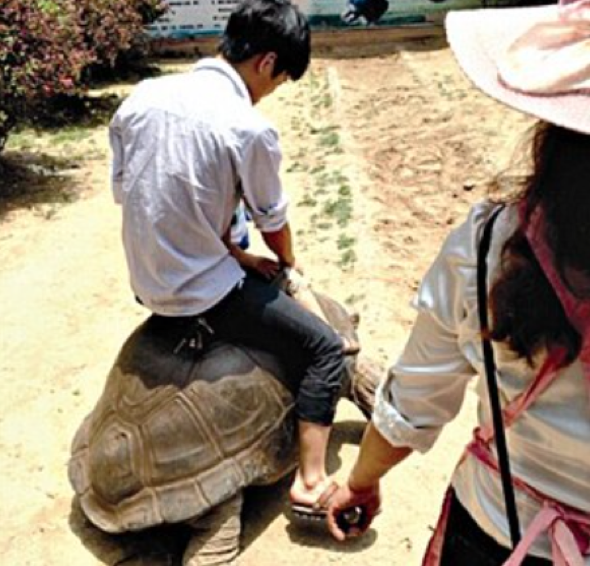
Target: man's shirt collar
point(224, 68)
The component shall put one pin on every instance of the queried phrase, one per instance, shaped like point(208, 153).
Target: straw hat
point(536, 60)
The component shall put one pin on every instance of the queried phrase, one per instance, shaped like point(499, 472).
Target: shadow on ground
point(164, 546)
point(34, 179)
point(42, 157)
point(305, 533)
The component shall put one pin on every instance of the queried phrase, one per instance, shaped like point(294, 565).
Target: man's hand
point(298, 268)
point(268, 268)
point(368, 500)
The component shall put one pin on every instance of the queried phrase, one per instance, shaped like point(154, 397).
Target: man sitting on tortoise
point(186, 149)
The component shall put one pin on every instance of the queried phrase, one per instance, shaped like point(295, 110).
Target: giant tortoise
point(178, 433)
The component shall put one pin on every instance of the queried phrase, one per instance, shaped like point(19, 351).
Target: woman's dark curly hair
point(526, 312)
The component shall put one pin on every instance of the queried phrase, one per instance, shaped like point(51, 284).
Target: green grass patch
point(347, 259)
point(345, 191)
point(330, 139)
point(297, 167)
point(345, 242)
point(340, 210)
point(71, 135)
point(318, 169)
point(324, 225)
point(307, 200)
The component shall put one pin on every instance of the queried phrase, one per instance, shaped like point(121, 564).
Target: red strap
point(578, 311)
point(546, 375)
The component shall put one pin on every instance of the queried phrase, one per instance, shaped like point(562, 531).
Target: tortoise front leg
point(366, 376)
point(216, 538)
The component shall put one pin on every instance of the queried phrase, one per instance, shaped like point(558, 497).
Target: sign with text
point(194, 18)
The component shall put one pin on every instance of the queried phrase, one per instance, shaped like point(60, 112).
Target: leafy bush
point(47, 47)
point(39, 57)
point(111, 27)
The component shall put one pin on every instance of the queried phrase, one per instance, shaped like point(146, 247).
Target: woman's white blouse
point(549, 445)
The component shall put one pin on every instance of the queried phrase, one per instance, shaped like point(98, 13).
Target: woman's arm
point(376, 457)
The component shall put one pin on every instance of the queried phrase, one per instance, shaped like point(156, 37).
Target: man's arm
point(263, 265)
point(117, 160)
point(280, 243)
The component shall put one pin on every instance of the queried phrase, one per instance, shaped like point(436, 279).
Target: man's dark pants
point(259, 315)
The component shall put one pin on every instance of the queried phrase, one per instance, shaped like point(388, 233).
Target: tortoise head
point(362, 374)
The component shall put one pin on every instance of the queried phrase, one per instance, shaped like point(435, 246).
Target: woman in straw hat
point(536, 494)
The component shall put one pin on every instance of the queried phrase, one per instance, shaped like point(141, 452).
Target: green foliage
point(110, 27)
point(344, 242)
point(39, 57)
point(347, 259)
point(340, 209)
point(48, 47)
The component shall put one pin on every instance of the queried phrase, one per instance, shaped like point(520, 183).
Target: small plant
point(324, 225)
point(313, 81)
point(345, 242)
point(307, 201)
point(347, 259)
point(330, 139)
point(297, 167)
point(344, 190)
point(340, 210)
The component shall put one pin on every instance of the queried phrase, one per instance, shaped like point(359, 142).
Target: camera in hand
point(350, 518)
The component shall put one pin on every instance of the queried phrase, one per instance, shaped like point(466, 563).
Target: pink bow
point(561, 526)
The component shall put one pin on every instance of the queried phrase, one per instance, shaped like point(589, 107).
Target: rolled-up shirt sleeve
point(116, 159)
point(424, 389)
point(261, 184)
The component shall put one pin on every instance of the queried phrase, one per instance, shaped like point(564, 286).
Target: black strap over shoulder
point(490, 369)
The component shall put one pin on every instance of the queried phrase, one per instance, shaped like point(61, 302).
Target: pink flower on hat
point(535, 59)
point(552, 56)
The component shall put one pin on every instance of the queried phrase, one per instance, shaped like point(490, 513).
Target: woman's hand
point(368, 502)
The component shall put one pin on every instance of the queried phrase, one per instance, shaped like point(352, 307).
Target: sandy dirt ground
point(384, 150)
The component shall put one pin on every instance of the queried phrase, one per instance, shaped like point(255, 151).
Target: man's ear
point(266, 63)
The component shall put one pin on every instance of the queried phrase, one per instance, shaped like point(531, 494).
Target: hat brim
point(479, 38)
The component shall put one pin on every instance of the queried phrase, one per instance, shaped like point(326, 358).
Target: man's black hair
point(263, 26)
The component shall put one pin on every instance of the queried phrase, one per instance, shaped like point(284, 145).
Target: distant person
point(537, 61)
point(364, 11)
point(186, 149)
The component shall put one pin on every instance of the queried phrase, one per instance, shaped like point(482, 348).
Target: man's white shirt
point(185, 149)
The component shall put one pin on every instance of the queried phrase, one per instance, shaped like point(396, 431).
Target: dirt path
point(383, 155)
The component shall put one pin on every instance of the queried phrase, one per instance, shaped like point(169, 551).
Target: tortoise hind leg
point(216, 536)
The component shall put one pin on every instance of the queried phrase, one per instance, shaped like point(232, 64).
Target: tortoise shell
point(175, 433)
